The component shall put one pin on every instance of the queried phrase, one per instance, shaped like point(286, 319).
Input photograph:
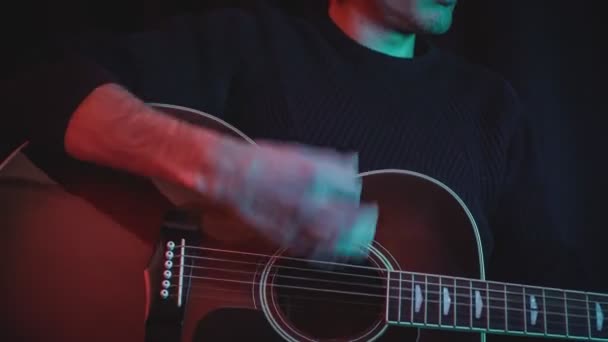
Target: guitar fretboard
point(431, 301)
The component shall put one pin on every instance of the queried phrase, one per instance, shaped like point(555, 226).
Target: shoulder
point(479, 77)
point(234, 21)
point(237, 28)
point(498, 102)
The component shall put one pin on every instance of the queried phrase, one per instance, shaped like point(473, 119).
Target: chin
point(431, 25)
point(435, 29)
point(431, 20)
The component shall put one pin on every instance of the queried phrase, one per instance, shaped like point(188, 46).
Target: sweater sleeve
point(41, 94)
point(47, 82)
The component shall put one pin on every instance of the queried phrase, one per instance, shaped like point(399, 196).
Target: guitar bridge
point(171, 269)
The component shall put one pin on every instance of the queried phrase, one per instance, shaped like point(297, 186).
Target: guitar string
point(413, 274)
point(372, 268)
point(209, 294)
point(292, 307)
point(466, 313)
point(495, 320)
point(365, 307)
point(407, 281)
point(383, 289)
point(403, 281)
point(208, 291)
point(539, 311)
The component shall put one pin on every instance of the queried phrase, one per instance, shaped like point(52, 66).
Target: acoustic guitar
point(72, 273)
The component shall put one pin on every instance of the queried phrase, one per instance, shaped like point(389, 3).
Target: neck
point(362, 22)
point(423, 300)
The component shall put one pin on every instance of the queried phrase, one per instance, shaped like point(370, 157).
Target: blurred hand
point(303, 198)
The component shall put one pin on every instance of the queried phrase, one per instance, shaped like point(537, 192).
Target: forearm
point(113, 128)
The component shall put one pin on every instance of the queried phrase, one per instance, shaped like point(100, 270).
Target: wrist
point(189, 157)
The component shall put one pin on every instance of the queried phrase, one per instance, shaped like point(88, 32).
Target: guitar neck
point(430, 301)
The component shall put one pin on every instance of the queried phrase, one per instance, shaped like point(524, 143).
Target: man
point(358, 78)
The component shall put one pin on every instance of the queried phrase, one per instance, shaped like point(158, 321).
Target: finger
point(342, 231)
point(349, 160)
point(346, 159)
point(324, 177)
point(358, 237)
point(324, 258)
point(277, 218)
point(331, 183)
point(323, 222)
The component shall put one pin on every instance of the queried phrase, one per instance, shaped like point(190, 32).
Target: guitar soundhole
point(325, 303)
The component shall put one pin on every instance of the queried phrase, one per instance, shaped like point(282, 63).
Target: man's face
point(418, 16)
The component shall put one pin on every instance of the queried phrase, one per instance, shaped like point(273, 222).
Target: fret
point(407, 298)
point(598, 312)
point(535, 310)
point(479, 305)
point(555, 306)
point(544, 310)
point(588, 314)
point(488, 295)
point(419, 299)
point(506, 307)
point(497, 307)
point(448, 302)
point(566, 313)
point(393, 297)
point(462, 305)
point(426, 300)
point(456, 301)
point(433, 300)
point(515, 309)
point(578, 324)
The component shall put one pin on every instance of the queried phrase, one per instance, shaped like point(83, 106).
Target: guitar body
point(71, 273)
point(247, 288)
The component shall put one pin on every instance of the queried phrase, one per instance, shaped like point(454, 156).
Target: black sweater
point(299, 78)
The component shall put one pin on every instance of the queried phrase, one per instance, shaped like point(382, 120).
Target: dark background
point(553, 52)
